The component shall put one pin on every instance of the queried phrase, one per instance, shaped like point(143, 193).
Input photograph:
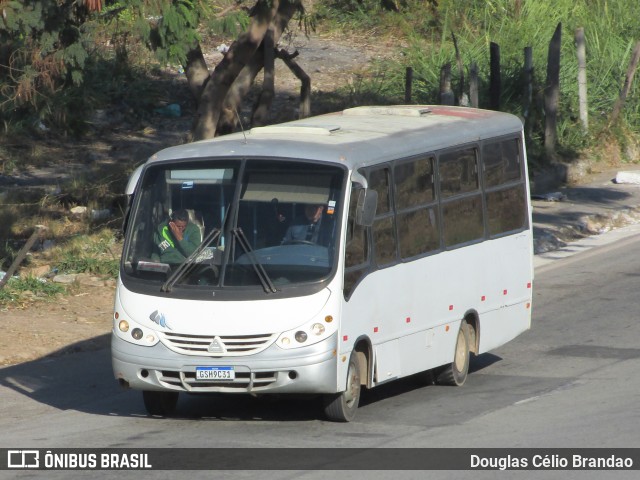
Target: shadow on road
point(79, 377)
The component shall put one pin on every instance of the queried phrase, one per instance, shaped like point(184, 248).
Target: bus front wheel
point(342, 407)
point(455, 373)
point(160, 404)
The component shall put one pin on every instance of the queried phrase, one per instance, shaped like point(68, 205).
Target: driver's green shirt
point(170, 249)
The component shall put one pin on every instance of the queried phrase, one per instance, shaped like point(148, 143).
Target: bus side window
point(462, 220)
point(356, 248)
point(505, 196)
point(383, 230)
point(458, 172)
point(501, 163)
point(506, 210)
point(462, 211)
point(417, 213)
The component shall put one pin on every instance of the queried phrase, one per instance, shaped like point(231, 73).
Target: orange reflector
point(116, 315)
point(528, 305)
point(446, 329)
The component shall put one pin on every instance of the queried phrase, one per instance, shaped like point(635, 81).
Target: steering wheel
point(298, 242)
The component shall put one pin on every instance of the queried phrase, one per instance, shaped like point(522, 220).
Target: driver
point(305, 229)
point(177, 238)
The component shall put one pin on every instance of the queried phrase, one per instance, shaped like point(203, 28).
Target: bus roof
point(358, 136)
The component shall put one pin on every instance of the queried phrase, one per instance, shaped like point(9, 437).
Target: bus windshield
point(234, 224)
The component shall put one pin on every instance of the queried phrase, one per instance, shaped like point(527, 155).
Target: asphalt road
point(568, 382)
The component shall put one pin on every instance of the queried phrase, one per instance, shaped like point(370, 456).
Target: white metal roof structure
point(356, 137)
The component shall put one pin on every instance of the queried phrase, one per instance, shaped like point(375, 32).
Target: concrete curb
point(572, 202)
point(549, 239)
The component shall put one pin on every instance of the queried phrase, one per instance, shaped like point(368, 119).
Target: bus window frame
point(371, 266)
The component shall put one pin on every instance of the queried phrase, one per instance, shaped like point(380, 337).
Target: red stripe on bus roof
point(462, 113)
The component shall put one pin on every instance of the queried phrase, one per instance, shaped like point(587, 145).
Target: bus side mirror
point(133, 181)
point(127, 213)
point(366, 208)
point(129, 191)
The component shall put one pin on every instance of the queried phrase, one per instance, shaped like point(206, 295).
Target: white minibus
point(324, 255)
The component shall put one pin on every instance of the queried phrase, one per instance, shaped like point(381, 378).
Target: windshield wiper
point(189, 263)
point(262, 274)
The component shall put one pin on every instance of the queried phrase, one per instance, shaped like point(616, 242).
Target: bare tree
point(219, 93)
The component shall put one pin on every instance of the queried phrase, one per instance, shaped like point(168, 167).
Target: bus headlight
point(133, 332)
point(317, 329)
point(308, 334)
point(136, 333)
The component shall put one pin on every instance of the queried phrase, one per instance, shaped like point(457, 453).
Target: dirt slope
point(79, 321)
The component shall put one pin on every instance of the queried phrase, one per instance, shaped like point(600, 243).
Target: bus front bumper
point(311, 369)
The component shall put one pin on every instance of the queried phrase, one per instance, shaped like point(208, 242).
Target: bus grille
point(217, 346)
point(244, 382)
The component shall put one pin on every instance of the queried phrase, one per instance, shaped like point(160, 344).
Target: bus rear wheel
point(342, 407)
point(456, 372)
point(161, 404)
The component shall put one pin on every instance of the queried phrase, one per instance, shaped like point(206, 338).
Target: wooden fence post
point(446, 95)
point(494, 77)
point(461, 100)
point(552, 92)
point(22, 254)
point(408, 85)
point(633, 65)
point(473, 85)
point(582, 79)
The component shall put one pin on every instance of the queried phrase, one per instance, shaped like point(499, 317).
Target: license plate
point(215, 373)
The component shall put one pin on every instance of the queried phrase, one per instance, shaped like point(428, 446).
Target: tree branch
point(242, 50)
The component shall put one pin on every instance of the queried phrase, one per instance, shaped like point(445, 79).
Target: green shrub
point(96, 254)
point(19, 291)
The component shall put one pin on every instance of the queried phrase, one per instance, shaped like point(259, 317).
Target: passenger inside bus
point(177, 238)
point(305, 229)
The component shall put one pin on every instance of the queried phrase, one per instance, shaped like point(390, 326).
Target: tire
point(455, 373)
point(160, 404)
point(342, 407)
